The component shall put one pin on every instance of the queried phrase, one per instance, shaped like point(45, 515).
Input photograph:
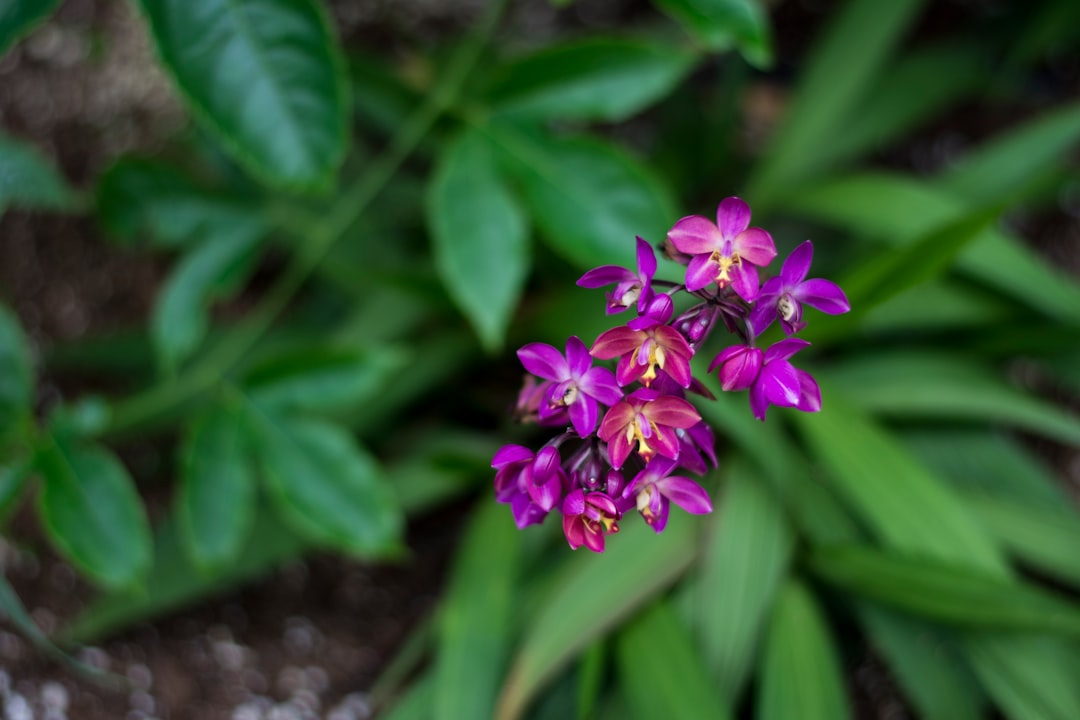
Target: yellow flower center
point(725, 262)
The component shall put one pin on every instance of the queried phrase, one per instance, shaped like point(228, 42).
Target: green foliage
point(387, 228)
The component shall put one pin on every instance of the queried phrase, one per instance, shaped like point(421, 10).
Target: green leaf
point(661, 672)
point(904, 504)
point(799, 674)
point(588, 197)
point(475, 622)
point(593, 79)
point(1029, 677)
point(266, 76)
point(28, 180)
point(721, 24)
point(16, 374)
point(950, 593)
point(1002, 167)
point(19, 17)
point(325, 379)
point(745, 558)
point(217, 488)
point(325, 485)
point(480, 236)
point(179, 321)
point(590, 595)
point(93, 514)
point(830, 90)
point(14, 475)
point(928, 669)
point(934, 385)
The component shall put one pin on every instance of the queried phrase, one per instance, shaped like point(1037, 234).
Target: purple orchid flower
point(783, 296)
point(649, 419)
point(645, 350)
point(587, 518)
point(725, 252)
point(630, 287)
point(654, 488)
point(739, 366)
point(781, 384)
point(696, 445)
point(576, 385)
point(531, 484)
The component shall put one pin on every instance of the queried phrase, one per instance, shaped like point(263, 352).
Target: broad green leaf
point(928, 670)
point(592, 79)
point(480, 236)
point(327, 379)
point(590, 595)
point(1030, 677)
point(799, 675)
point(475, 619)
point(936, 306)
point(14, 475)
point(935, 386)
point(905, 505)
point(1003, 166)
point(179, 321)
point(16, 374)
point(28, 180)
point(950, 593)
point(325, 485)
point(721, 24)
point(1044, 539)
point(588, 197)
point(380, 97)
point(266, 76)
point(661, 672)
point(217, 488)
point(19, 17)
point(93, 514)
point(745, 559)
point(897, 210)
point(830, 90)
point(418, 703)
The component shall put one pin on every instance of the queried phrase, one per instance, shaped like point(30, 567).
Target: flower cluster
point(631, 435)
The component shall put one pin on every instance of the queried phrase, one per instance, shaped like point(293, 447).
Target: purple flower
point(739, 366)
point(779, 383)
point(725, 252)
point(630, 287)
point(649, 419)
point(531, 484)
point(587, 518)
point(575, 384)
point(696, 444)
point(655, 487)
point(644, 351)
point(783, 296)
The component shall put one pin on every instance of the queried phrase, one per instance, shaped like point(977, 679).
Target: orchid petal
point(600, 383)
point(695, 235)
point(605, 275)
point(781, 384)
point(685, 493)
point(672, 411)
point(574, 530)
point(646, 259)
point(615, 342)
point(797, 264)
point(510, 454)
point(744, 280)
point(755, 245)
point(544, 361)
point(784, 349)
point(732, 216)
point(526, 512)
point(823, 295)
point(809, 392)
point(583, 415)
point(578, 359)
point(701, 271)
point(666, 442)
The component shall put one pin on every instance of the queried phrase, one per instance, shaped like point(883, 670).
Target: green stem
point(159, 400)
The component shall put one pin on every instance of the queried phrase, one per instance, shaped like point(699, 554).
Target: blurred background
point(263, 270)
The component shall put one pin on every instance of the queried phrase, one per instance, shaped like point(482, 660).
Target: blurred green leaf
point(800, 676)
point(928, 670)
point(18, 18)
point(325, 485)
point(418, 702)
point(475, 618)
point(905, 505)
point(215, 267)
point(380, 96)
point(1030, 677)
point(16, 374)
point(593, 79)
point(1003, 166)
point(267, 78)
point(323, 379)
point(830, 90)
point(721, 24)
point(480, 236)
point(14, 474)
point(931, 385)
point(217, 488)
point(1046, 540)
point(745, 558)
point(588, 197)
point(92, 512)
point(951, 593)
point(661, 672)
point(938, 305)
point(28, 180)
point(590, 594)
